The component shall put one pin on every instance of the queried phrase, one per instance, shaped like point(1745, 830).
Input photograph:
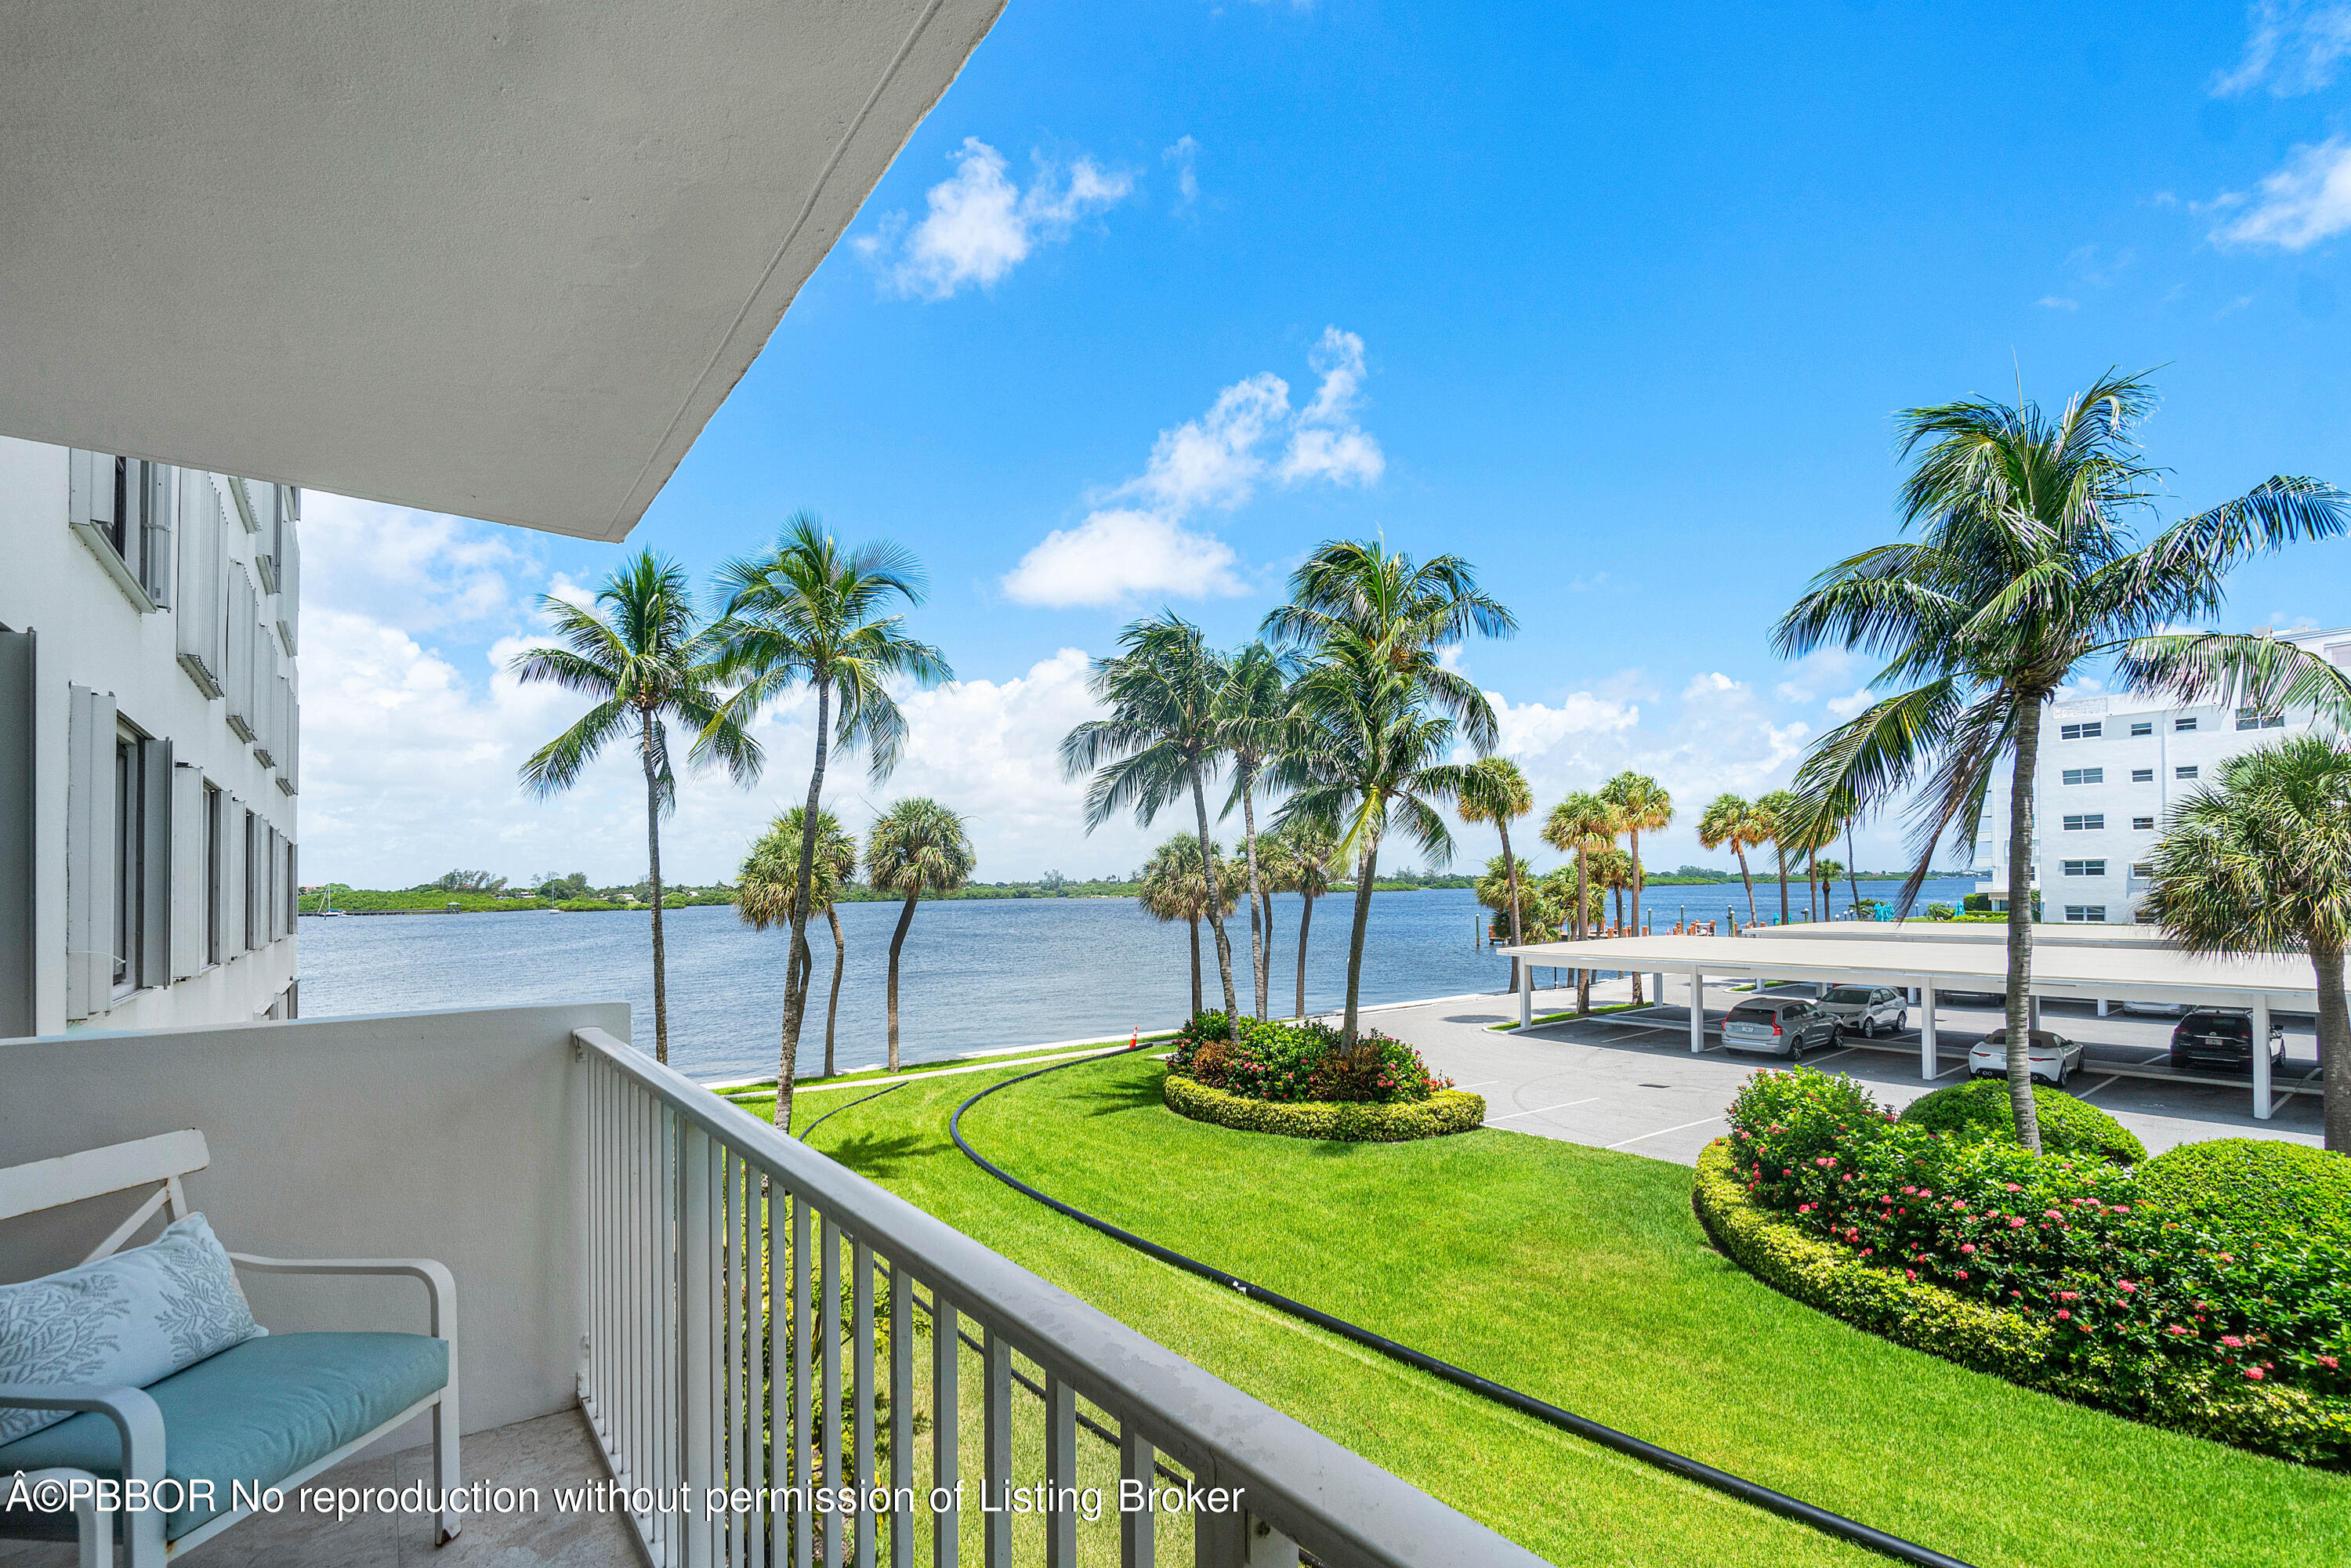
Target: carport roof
point(2090, 974)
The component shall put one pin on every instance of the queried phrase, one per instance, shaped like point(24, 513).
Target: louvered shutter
point(91, 486)
point(232, 895)
point(156, 842)
point(188, 888)
point(244, 627)
point(159, 515)
point(200, 617)
point(90, 853)
point(19, 942)
point(290, 566)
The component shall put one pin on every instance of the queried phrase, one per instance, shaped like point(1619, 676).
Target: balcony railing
point(751, 1325)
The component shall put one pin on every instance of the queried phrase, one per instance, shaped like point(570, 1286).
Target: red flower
point(2063, 1315)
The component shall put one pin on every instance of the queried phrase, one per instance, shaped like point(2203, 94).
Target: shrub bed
point(1347, 1122)
point(1978, 1109)
point(1295, 1080)
point(2278, 1192)
point(2055, 1271)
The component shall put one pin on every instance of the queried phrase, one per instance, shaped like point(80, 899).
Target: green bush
point(2254, 1187)
point(1443, 1112)
point(1977, 902)
point(1292, 1063)
point(2206, 1401)
point(1979, 1109)
point(1940, 912)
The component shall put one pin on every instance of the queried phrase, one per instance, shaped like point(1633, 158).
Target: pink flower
point(2013, 1187)
point(2063, 1315)
point(2329, 1363)
point(2175, 1329)
point(2069, 1295)
point(1910, 1273)
point(2254, 1373)
point(1962, 1273)
point(2126, 1285)
point(2232, 1342)
point(1968, 1247)
point(2016, 1225)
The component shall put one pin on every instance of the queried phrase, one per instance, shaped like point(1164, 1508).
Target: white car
point(1867, 1010)
point(2054, 1057)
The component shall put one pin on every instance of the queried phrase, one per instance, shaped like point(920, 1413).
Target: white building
point(2110, 768)
point(147, 680)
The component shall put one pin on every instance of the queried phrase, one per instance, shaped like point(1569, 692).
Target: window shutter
point(162, 490)
point(283, 749)
point(188, 890)
point(231, 876)
point(201, 622)
point(277, 910)
point(293, 859)
point(244, 626)
point(265, 698)
point(90, 853)
point(290, 566)
point(155, 867)
point(93, 489)
point(19, 943)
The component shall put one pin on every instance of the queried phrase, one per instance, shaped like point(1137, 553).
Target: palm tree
point(768, 885)
point(1641, 802)
point(1733, 820)
point(2024, 570)
point(811, 612)
point(1377, 710)
point(638, 653)
point(1498, 792)
point(1612, 869)
point(1778, 813)
point(2259, 861)
point(915, 847)
point(1824, 873)
point(1163, 737)
point(1309, 849)
point(1174, 887)
point(1577, 826)
point(1252, 711)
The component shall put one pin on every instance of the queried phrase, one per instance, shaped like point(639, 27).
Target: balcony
point(657, 1290)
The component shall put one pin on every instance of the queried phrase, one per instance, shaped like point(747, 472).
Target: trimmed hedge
point(2257, 1186)
point(2290, 1423)
point(1345, 1122)
point(1978, 1109)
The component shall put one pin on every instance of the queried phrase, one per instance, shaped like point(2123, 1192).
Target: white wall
point(90, 634)
point(449, 1135)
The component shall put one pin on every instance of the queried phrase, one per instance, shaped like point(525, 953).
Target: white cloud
point(1851, 702)
point(979, 226)
point(2057, 302)
point(1182, 158)
point(1137, 542)
point(2304, 202)
point(2293, 48)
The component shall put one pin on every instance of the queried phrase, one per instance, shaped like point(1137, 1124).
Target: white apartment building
point(148, 711)
point(2110, 768)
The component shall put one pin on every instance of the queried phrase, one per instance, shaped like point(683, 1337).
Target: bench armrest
point(440, 1285)
point(136, 1417)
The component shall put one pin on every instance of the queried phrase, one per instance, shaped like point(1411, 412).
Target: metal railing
point(750, 1354)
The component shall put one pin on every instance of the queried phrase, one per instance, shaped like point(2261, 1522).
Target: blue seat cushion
point(256, 1413)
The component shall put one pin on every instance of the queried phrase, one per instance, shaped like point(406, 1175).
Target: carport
point(2139, 971)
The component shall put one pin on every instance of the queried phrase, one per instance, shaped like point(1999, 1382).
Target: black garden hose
point(1705, 1475)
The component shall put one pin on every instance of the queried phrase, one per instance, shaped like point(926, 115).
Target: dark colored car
point(1786, 1026)
point(2220, 1038)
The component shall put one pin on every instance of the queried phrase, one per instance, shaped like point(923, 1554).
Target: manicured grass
point(1542, 1019)
point(1581, 1276)
point(764, 1090)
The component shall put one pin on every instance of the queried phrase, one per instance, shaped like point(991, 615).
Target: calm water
point(975, 973)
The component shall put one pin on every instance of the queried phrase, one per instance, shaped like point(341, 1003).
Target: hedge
point(2278, 1192)
point(1447, 1110)
point(2288, 1422)
point(1981, 1109)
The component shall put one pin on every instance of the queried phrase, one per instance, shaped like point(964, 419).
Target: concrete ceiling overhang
point(500, 260)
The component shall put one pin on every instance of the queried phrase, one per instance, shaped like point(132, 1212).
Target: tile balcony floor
point(551, 1451)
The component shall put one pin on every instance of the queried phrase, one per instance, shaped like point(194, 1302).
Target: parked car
point(1785, 1026)
point(2154, 1010)
point(2054, 1057)
point(1867, 1010)
point(2222, 1037)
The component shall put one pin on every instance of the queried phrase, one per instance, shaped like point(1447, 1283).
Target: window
point(2254, 718)
point(248, 852)
point(129, 841)
point(2092, 822)
point(2086, 914)
point(2142, 727)
point(2143, 824)
point(2142, 775)
point(2090, 731)
point(215, 870)
point(2144, 868)
point(2186, 772)
point(2086, 776)
point(2085, 868)
point(2183, 723)
point(122, 509)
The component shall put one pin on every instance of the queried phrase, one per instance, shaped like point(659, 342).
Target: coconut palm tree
point(1176, 887)
point(1737, 822)
point(916, 847)
point(1161, 739)
point(1252, 713)
point(1498, 792)
point(1824, 873)
point(812, 612)
point(1641, 802)
point(638, 652)
point(1577, 826)
point(1308, 850)
point(2025, 568)
point(1278, 870)
point(768, 885)
point(2259, 861)
point(1613, 871)
point(1778, 813)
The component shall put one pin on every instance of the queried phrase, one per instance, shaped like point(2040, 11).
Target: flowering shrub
point(2144, 1306)
point(1297, 1063)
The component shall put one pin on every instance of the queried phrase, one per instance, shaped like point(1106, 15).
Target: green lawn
point(1580, 1276)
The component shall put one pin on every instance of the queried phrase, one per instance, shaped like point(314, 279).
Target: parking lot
point(1630, 1082)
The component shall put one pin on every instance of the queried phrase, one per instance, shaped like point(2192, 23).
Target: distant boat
point(330, 906)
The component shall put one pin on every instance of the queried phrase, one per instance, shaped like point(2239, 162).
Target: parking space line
point(2093, 1089)
point(1661, 1132)
point(1515, 1115)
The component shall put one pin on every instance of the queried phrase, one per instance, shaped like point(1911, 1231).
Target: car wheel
point(1901, 1023)
point(1869, 1026)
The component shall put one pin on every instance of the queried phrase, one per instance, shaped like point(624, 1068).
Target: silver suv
point(1867, 1010)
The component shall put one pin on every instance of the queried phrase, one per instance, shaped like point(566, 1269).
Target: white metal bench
point(140, 1430)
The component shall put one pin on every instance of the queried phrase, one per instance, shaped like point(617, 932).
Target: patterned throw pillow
point(122, 1322)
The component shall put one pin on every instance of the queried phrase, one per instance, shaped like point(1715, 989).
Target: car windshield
point(1849, 994)
point(1753, 1012)
point(2221, 1023)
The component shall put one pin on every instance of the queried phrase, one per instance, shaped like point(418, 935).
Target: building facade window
point(2254, 718)
point(215, 870)
point(2086, 914)
point(2143, 824)
point(2085, 868)
point(248, 852)
point(2183, 723)
point(130, 844)
point(2090, 731)
point(2144, 868)
point(2086, 776)
point(2142, 727)
point(2089, 821)
point(2184, 771)
point(2142, 775)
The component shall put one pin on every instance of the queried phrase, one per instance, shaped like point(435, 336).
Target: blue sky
point(1162, 294)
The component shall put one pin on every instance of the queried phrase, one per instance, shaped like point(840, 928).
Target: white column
point(2262, 1105)
point(1698, 1012)
point(1927, 1065)
point(1914, 996)
point(1526, 995)
point(1656, 989)
point(2102, 1007)
point(2033, 1012)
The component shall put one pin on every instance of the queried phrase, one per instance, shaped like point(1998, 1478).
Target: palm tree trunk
point(796, 996)
point(1366, 872)
point(1636, 907)
point(1812, 883)
point(898, 940)
point(1260, 931)
point(1195, 966)
point(1583, 929)
point(1510, 878)
point(1215, 912)
point(1305, 921)
point(1741, 850)
point(1851, 876)
point(2020, 924)
point(652, 876)
point(2333, 1045)
point(832, 1008)
point(1781, 850)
